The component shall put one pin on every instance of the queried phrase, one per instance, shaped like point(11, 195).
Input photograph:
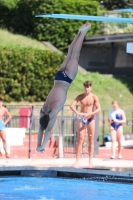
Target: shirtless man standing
point(4, 111)
point(88, 102)
point(57, 96)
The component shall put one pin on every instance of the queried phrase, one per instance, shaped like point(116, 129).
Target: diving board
point(124, 10)
point(85, 17)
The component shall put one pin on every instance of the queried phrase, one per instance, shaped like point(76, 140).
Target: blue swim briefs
point(62, 76)
point(86, 121)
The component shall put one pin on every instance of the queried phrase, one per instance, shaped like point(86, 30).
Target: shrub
point(59, 32)
point(9, 3)
point(27, 74)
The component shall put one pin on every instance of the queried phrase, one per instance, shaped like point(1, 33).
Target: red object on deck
point(24, 120)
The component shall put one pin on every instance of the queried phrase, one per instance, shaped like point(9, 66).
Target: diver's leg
point(72, 65)
point(74, 49)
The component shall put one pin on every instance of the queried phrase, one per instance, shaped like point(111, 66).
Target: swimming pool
point(36, 188)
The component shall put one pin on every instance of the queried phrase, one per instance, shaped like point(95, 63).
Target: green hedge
point(27, 74)
point(9, 3)
point(110, 5)
point(59, 32)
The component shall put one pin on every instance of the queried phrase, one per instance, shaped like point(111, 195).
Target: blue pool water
point(30, 188)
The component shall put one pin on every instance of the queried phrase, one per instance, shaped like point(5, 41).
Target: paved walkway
point(66, 162)
point(104, 152)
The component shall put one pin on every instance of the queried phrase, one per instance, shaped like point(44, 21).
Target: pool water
point(30, 188)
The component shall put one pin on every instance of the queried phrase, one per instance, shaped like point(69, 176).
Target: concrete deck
point(66, 162)
point(103, 169)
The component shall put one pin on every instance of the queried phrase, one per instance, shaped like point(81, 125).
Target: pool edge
point(67, 172)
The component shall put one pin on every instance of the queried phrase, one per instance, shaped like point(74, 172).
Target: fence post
point(8, 124)
point(75, 131)
point(30, 130)
point(75, 128)
point(96, 135)
point(103, 126)
point(61, 134)
point(132, 122)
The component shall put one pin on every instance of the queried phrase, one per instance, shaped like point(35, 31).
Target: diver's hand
point(40, 149)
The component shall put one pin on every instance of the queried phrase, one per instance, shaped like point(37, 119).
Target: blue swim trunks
point(2, 126)
point(62, 76)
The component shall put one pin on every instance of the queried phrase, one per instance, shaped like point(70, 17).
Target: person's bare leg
point(113, 138)
point(119, 139)
point(70, 65)
point(81, 130)
point(74, 43)
point(63, 65)
point(3, 137)
point(91, 130)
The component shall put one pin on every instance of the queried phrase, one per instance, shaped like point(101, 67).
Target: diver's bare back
point(56, 97)
point(87, 102)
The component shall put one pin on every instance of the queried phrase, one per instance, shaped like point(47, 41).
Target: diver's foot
point(84, 28)
point(76, 164)
point(40, 149)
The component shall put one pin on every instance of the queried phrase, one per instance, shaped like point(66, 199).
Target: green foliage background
point(27, 74)
point(112, 4)
point(21, 19)
point(61, 32)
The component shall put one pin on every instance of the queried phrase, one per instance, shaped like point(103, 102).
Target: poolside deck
point(127, 153)
point(103, 168)
point(65, 162)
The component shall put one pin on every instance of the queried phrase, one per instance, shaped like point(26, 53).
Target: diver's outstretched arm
point(47, 134)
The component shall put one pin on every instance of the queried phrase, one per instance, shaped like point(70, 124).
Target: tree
point(112, 4)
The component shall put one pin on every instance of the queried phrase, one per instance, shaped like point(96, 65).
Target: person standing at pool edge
point(89, 106)
point(4, 111)
point(57, 96)
point(116, 118)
